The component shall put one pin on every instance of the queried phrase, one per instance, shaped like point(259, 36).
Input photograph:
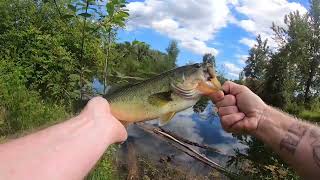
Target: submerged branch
point(203, 146)
point(188, 150)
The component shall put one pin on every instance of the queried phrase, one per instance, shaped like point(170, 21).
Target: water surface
point(204, 128)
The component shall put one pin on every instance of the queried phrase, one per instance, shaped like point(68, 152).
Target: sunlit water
point(204, 128)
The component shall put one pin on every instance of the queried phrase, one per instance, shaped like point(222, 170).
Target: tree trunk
point(312, 71)
point(105, 71)
point(82, 49)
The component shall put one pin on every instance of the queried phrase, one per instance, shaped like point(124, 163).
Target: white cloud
point(248, 25)
point(194, 23)
point(190, 22)
point(242, 58)
point(232, 69)
point(261, 14)
point(248, 42)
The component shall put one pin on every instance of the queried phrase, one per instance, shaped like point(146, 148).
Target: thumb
point(232, 88)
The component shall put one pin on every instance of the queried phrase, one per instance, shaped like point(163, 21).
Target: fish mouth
point(207, 85)
point(211, 83)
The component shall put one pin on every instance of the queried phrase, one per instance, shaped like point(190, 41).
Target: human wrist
point(272, 121)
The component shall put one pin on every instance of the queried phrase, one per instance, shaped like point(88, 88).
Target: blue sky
point(226, 28)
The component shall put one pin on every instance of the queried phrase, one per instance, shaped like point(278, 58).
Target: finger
point(238, 128)
point(229, 120)
point(217, 96)
point(223, 111)
point(232, 88)
point(228, 100)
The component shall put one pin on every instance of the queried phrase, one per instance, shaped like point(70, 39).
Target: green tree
point(314, 62)
point(256, 65)
point(300, 43)
point(46, 48)
point(257, 60)
point(209, 58)
point(173, 52)
point(116, 17)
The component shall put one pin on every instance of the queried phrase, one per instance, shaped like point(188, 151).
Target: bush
point(293, 108)
point(22, 109)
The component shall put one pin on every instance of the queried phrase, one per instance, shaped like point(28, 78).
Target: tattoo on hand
point(315, 144)
point(293, 137)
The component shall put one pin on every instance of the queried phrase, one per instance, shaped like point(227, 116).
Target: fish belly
point(135, 112)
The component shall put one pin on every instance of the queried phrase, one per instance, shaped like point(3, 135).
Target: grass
point(313, 116)
point(105, 168)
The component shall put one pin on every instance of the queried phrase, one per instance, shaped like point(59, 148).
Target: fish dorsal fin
point(164, 119)
point(160, 99)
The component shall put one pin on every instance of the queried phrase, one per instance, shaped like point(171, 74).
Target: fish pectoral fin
point(160, 99)
point(164, 119)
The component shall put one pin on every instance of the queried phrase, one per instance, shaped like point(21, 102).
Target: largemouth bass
point(164, 95)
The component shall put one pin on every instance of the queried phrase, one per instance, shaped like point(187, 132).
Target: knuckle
point(225, 121)
point(232, 99)
point(244, 88)
point(98, 102)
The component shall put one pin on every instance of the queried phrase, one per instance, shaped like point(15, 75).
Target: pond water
point(204, 128)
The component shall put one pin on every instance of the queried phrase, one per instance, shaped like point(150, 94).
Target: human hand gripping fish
point(164, 95)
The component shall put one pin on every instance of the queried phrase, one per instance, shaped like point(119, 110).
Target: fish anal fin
point(164, 119)
point(160, 99)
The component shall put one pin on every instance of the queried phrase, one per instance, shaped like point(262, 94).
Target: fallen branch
point(203, 146)
point(188, 150)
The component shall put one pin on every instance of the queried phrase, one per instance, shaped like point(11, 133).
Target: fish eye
point(198, 65)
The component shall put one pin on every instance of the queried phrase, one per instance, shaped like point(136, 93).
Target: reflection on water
point(203, 128)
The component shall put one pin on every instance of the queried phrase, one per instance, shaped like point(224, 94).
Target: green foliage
point(46, 49)
point(173, 53)
point(289, 75)
point(117, 14)
point(209, 58)
point(256, 65)
point(259, 161)
point(129, 62)
point(23, 109)
point(310, 115)
point(257, 60)
point(50, 52)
